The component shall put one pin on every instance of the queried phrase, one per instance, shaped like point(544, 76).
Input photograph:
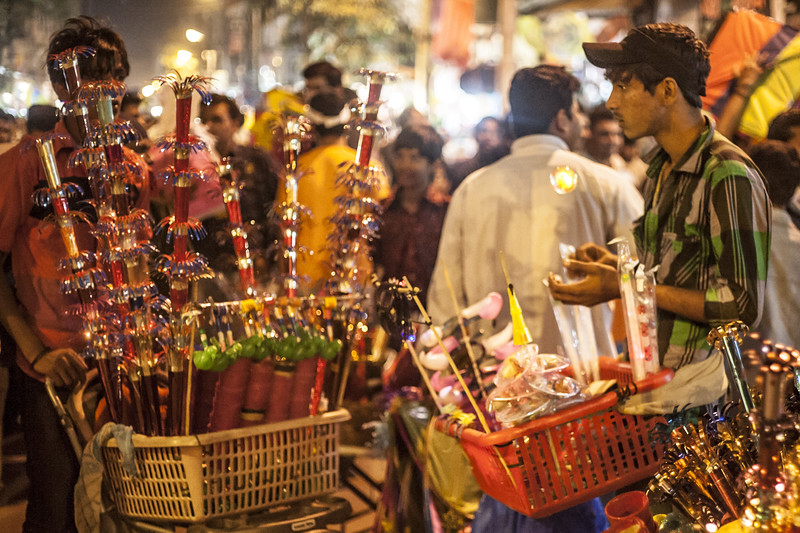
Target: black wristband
point(41, 354)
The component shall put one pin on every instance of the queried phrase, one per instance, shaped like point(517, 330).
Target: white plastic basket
point(196, 477)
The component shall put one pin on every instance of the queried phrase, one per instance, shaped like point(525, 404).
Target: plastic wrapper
point(527, 359)
point(533, 395)
point(577, 330)
point(282, 382)
point(516, 364)
point(548, 363)
point(555, 385)
point(637, 290)
point(530, 385)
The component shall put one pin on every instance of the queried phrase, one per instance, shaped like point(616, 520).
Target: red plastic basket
point(574, 455)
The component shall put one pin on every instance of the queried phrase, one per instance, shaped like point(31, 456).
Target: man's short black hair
point(110, 58)
point(778, 161)
point(130, 99)
point(41, 118)
point(600, 114)
point(780, 129)
point(423, 138)
point(322, 68)
point(537, 94)
point(682, 44)
point(233, 108)
point(329, 103)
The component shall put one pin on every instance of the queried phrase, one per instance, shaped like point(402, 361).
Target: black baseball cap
point(639, 47)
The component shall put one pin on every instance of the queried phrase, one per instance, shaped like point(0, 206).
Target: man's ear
point(670, 89)
point(560, 122)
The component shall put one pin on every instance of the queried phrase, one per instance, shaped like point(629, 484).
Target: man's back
point(511, 206)
point(782, 297)
point(317, 190)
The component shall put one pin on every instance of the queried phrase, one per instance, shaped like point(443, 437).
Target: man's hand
point(592, 253)
point(598, 284)
point(64, 366)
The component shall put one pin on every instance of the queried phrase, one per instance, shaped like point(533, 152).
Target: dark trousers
point(492, 516)
point(52, 467)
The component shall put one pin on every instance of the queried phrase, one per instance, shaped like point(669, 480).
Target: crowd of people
point(720, 223)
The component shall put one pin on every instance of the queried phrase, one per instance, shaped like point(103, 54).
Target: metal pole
point(506, 22)
point(423, 57)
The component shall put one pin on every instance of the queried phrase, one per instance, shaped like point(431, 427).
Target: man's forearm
point(687, 303)
point(15, 322)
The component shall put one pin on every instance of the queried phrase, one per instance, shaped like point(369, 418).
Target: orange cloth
point(454, 37)
point(743, 34)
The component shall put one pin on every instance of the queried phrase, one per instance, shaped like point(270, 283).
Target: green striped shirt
point(709, 230)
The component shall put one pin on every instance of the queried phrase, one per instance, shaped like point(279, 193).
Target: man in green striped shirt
point(707, 214)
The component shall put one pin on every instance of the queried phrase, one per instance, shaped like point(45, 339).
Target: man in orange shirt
point(33, 312)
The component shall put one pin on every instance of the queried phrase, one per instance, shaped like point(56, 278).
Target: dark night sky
point(145, 26)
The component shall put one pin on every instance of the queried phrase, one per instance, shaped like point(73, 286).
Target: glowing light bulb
point(182, 58)
point(194, 36)
point(563, 179)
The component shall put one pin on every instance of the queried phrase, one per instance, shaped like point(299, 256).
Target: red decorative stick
point(230, 195)
point(356, 220)
point(183, 266)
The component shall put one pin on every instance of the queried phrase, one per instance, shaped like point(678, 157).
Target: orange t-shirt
point(35, 244)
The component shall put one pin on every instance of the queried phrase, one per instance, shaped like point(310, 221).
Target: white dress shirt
point(782, 298)
point(511, 206)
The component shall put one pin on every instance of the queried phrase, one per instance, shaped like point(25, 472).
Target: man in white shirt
point(780, 164)
point(512, 207)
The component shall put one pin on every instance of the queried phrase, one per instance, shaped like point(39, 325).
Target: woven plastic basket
point(572, 456)
point(197, 477)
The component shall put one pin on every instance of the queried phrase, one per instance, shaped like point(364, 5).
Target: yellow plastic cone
point(521, 334)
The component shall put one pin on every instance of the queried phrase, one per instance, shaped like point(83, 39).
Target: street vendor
point(707, 215)
point(33, 312)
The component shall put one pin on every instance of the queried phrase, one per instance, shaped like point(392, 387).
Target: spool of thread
point(229, 396)
point(259, 387)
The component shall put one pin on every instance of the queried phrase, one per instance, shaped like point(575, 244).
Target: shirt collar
point(538, 141)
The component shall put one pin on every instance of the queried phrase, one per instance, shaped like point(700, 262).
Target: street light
point(148, 90)
point(182, 58)
point(194, 36)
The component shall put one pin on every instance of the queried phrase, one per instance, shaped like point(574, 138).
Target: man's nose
point(611, 103)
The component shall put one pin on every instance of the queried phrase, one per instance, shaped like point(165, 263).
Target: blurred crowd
point(419, 182)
